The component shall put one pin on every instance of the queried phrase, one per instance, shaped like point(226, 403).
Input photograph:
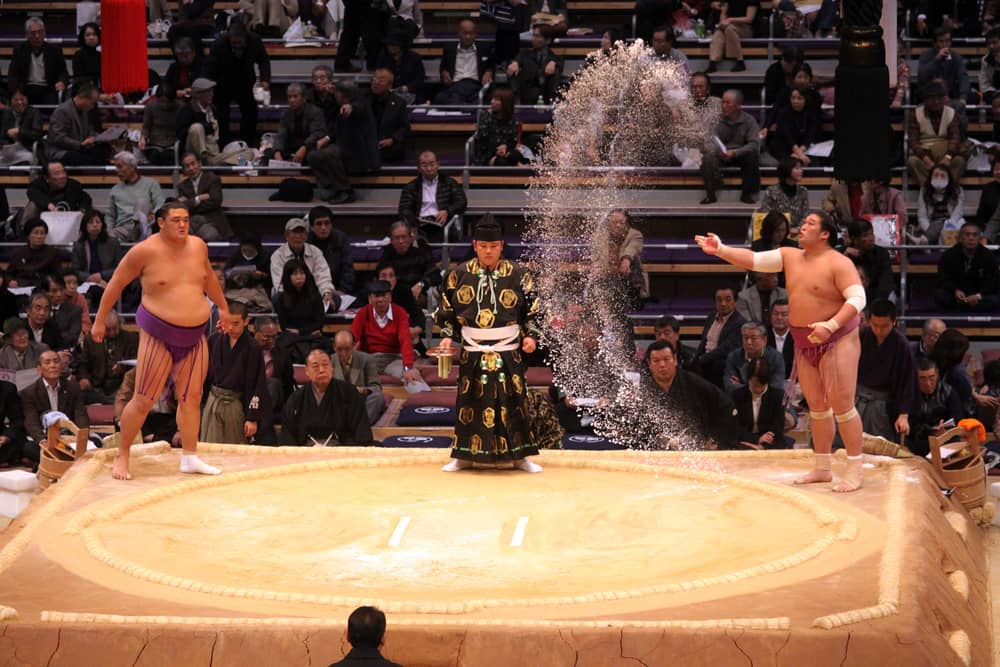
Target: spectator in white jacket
point(296, 247)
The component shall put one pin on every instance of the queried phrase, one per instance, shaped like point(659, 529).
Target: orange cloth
point(974, 425)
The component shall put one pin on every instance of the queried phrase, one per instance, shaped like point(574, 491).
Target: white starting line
point(397, 535)
point(518, 538)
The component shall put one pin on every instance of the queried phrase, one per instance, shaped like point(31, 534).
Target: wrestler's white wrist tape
point(830, 325)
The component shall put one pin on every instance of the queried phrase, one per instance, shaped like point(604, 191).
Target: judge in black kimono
point(324, 412)
point(488, 304)
point(237, 386)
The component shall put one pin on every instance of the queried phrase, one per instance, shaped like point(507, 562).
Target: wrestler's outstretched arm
point(768, 261)
point(128, 270)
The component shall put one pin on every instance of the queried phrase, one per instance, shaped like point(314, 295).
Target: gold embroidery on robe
point(501, 444)
point(476, 444)
point(504, 268)
point(465, 415)
point(516, 379)
point(485, 318)
point(508, 298)
point(489, 417)
point(465, 295)
point(465, 386)
point(503, 415)
point(452, 280)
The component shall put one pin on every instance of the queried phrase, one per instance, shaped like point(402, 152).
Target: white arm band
point(855, 295)
point(768, 261)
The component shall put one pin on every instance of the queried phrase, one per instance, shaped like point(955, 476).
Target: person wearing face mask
point(940, 204)
point(248, 277)
point(878, 198)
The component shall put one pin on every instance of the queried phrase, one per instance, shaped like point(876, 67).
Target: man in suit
point(41, 328)
point(537, 71)
point(720, 336)
point(779, 337)
point(72, 140)
point(51, 393)
point(36, 67)
point(358, 368)
point(391, 118)
point(231, 64)
point(759, 410)
point(754, 302)
point(67, 317)
point(466, 67)
point(431, 199)
point(101, 371)
point(21, 352)
point(739, 362)
point(202, 192)
point(12, 434)
point(366, 633)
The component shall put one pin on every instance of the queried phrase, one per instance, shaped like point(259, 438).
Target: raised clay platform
point(606, 558)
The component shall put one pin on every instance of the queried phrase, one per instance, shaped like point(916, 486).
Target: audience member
point(87, 59)
point(20, 127)
point(989, 202)
point(403, 297)
point(248, 275)
point(186, 68)
point(934, 136)
point(878, 198)
point(780, 75)
point(759, 409)
point(788, 195)
point(198, 129)
point(735, 24)
point(968, 279)
point(391, 118)
point(295, 247)
point(237, 397)
point(940, 205)
point(887, 377)
point(663, 48)
point(133, 201)
point(21, 352)
point(73, 296)
point(202, 192)
point(708, 409)
point(942, 64)
point(271, 18)
point(414, 264)
point(497, 138)
point(66, 316)
point(72, 138)
point(536, 72)
point(466, 67)
point(101, 368)
point(707, 107)
point(754, 301)
point(938, 405)
point(30, 263)
point(161, 421)
point(754, 337)
point(796, 127)
point(160, 128)
point(720, 336)
point(195, 20)
point(625, 244)
point(335, 246)
point(405, 65)
point(873, 258)
point(351, 126)
point(324, 412)
point(738, 132)
point(774, 234)
point(401, 18)
point(299, 305)
point(366, 634)
point(778, 335)
point(231, 63)
point(989, 70)
point(431, 199)
point(12, 433)
point(357, 21)
point(359, 369)
point(54, 190)
point(51, 393)
point(949, 355)
point(41, 328)
point(9, 307)
point(382, 329)
point(930, 332)
point(36, 67)
point(668, 328)
point(278, 373)
point(95, 254)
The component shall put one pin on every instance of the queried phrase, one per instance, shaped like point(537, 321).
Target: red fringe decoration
point(124, 53)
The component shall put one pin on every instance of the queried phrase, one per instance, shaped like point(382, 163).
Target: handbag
point(501, 11)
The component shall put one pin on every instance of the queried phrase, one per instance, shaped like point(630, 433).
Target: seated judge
point(759, 410)
point(324, 412)
point(51, 393)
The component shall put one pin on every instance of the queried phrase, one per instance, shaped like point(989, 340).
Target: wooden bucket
point(964, 473)
point(56, 454)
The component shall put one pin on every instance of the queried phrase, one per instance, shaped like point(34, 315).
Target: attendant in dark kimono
point(488, 304)
point(324, 412)
point(887, 376)
point(12, 433)
point(237, 395)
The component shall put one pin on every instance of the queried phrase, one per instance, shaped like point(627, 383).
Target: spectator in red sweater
point(382, 329)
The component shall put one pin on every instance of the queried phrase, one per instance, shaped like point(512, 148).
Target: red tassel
point(124, 52)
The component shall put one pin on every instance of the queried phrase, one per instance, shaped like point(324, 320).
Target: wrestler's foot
point(457, 464)
point(120, 468)
point(815, 475)
point(527, 465)
point(853, 477)
point(192, 464)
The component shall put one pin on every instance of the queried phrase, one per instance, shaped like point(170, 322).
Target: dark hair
point(506, 97)
point(994, 33)
point(941, 32)
point(770, 224)
point(786, 166)
point(613, 34)
point(779, 302)
point(30, 225)
point(381, 266)
point(623, 211)
point(87, 217)
point(705, 76)
point(289, 295)
point(991, 373)
point(882, 308)
point(545, 31)
point(317, 212)
point(85, 88)
point(826, 224)
point(760, 369)
point(803, 67)
point(950, 191)
point(667, 321)
point(668, 33)
point(658, 345)
point(724, 288)
point(950, 349)
point(926, 363)
point(366, 627)
point(56, 279)
point(249, 237)
point(857, 227)
point(238, 308)
point(168, 206)
point(83, 30)
point(792, 54)
point(971, 223)
point(238, 29)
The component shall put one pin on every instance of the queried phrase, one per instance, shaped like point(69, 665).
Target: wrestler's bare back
point(173, 277)
point(815, 281)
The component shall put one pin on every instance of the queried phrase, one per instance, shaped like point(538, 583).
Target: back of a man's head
point(366, 627)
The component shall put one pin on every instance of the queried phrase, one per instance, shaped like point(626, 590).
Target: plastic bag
point(295, 32)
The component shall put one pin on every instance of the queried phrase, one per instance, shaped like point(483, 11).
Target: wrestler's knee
point(142, 402)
